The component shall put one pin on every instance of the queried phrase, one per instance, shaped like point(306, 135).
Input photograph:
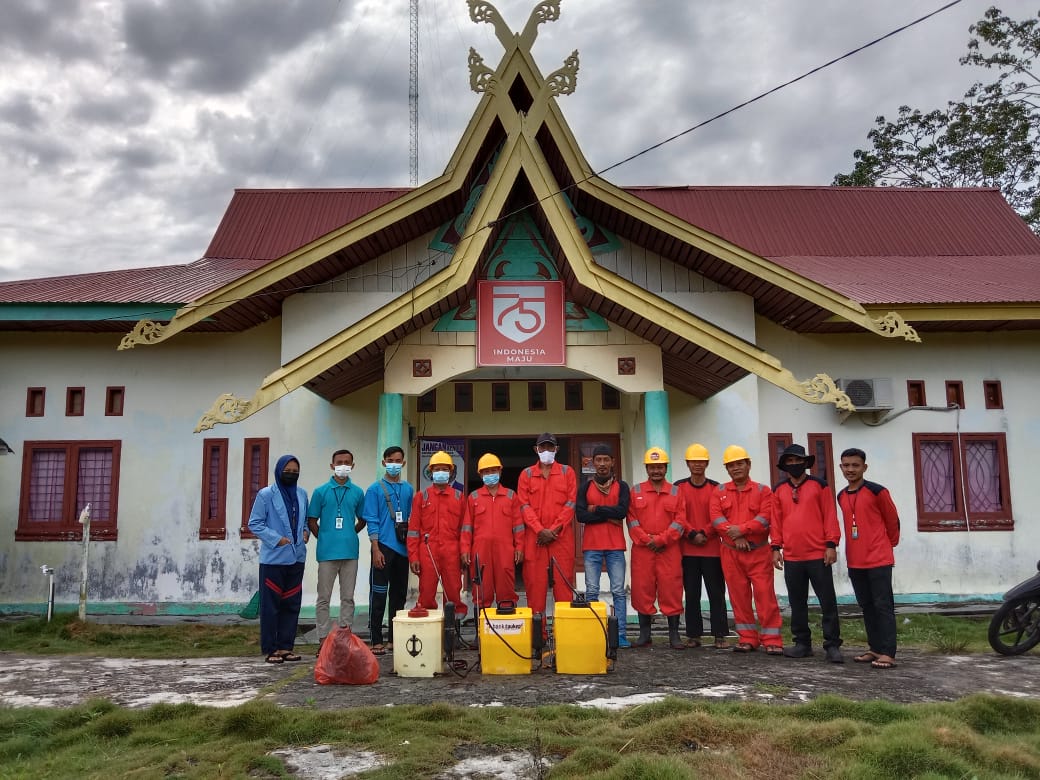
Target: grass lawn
point(977, 737)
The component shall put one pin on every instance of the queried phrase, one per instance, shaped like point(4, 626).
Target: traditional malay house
point(519, 292)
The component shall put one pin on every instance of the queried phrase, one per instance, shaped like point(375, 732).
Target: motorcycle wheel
point(1015, 627)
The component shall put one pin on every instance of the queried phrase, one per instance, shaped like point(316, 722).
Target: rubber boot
point(674, 640)
point(645, 621)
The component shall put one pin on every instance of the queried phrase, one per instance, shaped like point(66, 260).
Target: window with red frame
point(214, 489)
point(75, 398)
point(114, 401)
point(962, 482)
point(59, 479)
point(823, 468)
point(35, 401)
point(254, 477)
point(778, 442)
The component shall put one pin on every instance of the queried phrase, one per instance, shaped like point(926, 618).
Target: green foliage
point(990, 138)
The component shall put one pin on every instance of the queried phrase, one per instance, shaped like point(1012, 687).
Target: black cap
point(602, 449)
point(546, 438)
point(799, 452)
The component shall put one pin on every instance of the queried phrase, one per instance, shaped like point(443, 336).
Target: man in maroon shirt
point(804, 537)
point(871, 533)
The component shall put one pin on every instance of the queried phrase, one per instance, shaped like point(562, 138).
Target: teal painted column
point(658, 427)
point(391, 422)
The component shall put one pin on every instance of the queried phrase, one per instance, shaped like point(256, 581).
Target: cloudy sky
point(126, 126)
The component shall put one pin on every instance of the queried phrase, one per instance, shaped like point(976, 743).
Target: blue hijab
point(288, 492)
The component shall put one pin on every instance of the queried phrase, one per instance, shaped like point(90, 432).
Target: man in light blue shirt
point(388, 505)
point(334, 518)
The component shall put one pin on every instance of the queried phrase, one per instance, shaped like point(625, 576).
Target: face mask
point(394, 469)
point(342, 471)
point(491, 479)
point(290, 478)
point(794, 469)
point(441, 477)
point(547, 457)
point(603, 479)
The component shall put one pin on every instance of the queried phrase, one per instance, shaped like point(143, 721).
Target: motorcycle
point(1015, 627)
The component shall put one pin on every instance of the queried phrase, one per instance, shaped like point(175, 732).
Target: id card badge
point(339, 523)
point(399, 516)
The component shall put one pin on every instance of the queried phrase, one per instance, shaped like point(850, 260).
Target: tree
point(991, 138)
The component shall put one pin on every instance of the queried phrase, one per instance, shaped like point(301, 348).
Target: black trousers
point(799, 575)
point(281, 591)
point(390, 582)
point(873, 588)
point(709, 568)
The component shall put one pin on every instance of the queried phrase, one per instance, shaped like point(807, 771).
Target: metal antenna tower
point(413, 92)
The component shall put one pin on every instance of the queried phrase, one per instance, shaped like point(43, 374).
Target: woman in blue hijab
point(279, 521)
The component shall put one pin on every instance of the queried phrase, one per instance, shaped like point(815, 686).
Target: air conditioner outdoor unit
point(868, 395)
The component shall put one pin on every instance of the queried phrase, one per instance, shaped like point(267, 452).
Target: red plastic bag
point(345, 660)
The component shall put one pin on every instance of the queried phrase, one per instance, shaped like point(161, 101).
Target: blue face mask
point(491, 479)
point(394, 469)
point(441, 477)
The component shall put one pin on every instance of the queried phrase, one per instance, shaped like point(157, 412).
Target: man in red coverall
point(871, 531)
point(742, 511)
point(656, 523)
point(700, 553)
point(498, 534)
point(436, 528)
point(547, 492)
point(804, 537)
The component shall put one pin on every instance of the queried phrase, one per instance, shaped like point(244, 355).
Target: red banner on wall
point(520, 324)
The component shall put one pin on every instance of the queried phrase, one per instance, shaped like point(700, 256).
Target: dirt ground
point(637, 676)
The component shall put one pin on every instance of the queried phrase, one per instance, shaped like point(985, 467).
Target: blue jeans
point(614, 562)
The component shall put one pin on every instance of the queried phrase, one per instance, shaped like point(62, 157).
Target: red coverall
point(548, 504)
point(498, 532)
point(444, 516)
point(657, 575)
point(749, 573)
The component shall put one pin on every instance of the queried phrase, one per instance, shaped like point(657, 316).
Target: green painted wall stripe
point(87, 312)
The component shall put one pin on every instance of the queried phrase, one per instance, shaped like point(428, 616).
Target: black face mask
point(290, 478)
point(794, 469)
point(602, 479)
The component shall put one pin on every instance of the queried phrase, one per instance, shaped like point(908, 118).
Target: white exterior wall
point(158, 555)
point(951, 563)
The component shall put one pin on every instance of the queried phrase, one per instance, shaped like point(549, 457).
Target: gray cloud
point(56, 29)
point(219, 46)
point(125, 128)
point(21, 111)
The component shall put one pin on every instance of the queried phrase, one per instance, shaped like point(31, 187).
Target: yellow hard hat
point(734, 452)
point(655, 455)
point(441, 458)
point(697, 452)
point(488, 461)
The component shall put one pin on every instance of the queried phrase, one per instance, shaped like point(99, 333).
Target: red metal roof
point(263, 225)
point(875, 245)
point(158, 284)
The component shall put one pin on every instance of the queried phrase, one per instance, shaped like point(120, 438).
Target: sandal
point(865, 658)
point(774, 650)
point(721, 644)
point(274, 658)
point(693, 642)
point(378, 649)
point(883, 662)
point(743, 647)
point(289, 655)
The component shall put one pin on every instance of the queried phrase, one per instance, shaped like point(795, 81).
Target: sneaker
point(623, 642)
point(834, 655)
point(798, 651)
